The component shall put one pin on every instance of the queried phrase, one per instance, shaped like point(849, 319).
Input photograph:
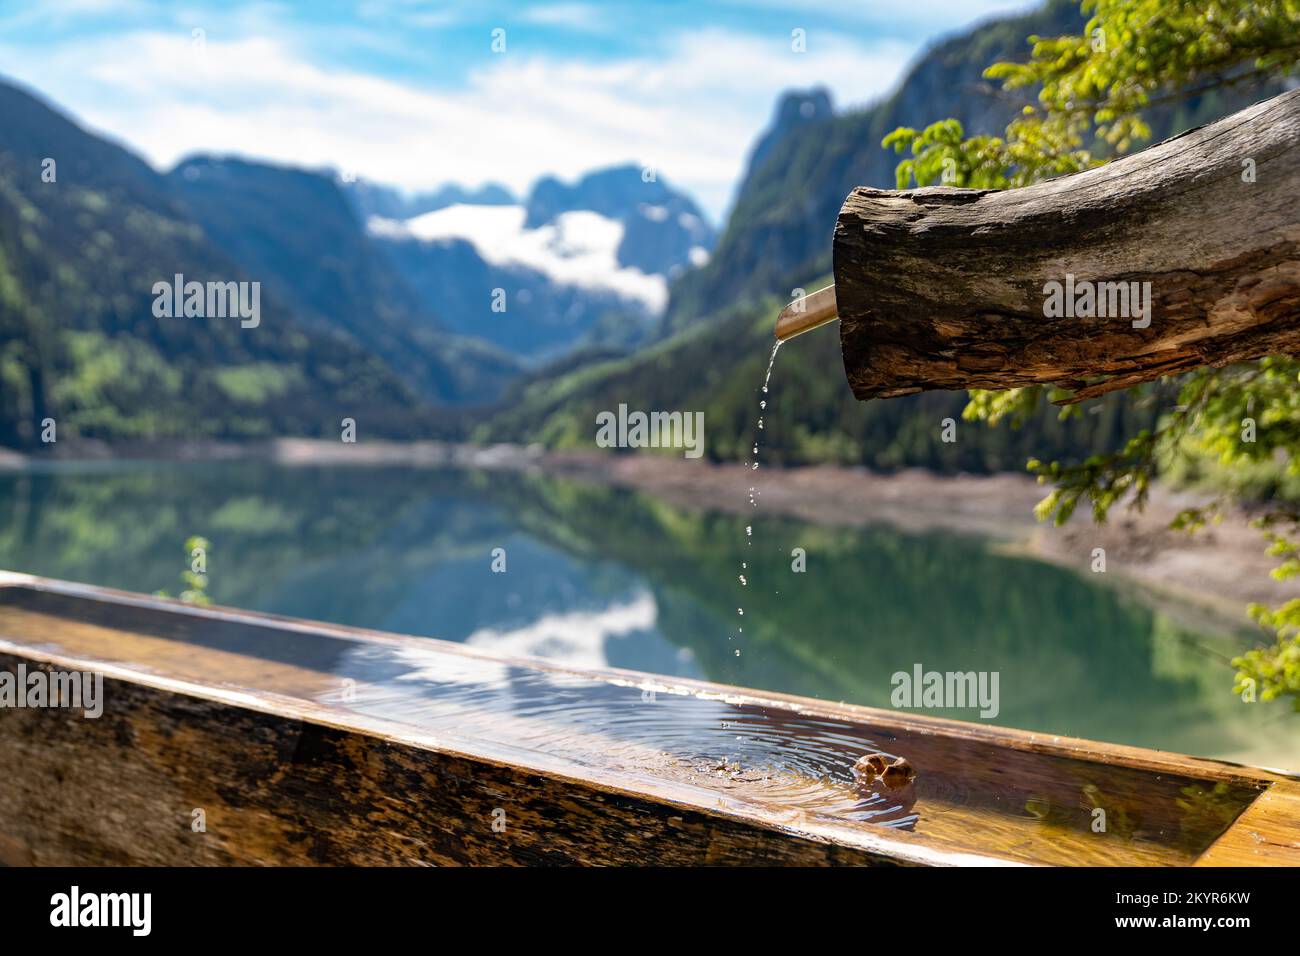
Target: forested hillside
point(82, 243)
point(717, 367)
point(295, 230)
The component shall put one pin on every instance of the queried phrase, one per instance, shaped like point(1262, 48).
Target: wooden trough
point(229, 737)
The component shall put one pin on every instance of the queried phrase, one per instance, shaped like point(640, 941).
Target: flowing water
point(600, 577)
point(753, 489)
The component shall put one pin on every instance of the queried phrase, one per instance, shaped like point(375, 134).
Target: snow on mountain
point(578, 264)
point(577, 248)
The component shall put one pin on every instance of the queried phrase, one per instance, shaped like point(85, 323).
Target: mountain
point(718, 327)
point(779, 232)
point(663, 230)
point(794, 110)
point(86, 231)
point(581, 264)
point(375, 199)
point(296, 231)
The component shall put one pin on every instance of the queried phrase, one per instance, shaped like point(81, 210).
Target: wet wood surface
point(943, 288)
point(1267, 834)
point(239, 716)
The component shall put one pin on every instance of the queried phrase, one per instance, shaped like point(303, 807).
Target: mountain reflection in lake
point(604, 577)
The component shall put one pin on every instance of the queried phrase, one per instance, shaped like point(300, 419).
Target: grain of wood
point(1267, 834)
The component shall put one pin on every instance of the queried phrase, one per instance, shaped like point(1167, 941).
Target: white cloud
point(583, 17)
point(692, 113)
point(933, 14)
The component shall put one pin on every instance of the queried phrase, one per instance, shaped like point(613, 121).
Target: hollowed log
point(946, 288)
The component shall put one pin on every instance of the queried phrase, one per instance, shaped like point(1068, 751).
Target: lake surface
point(597, 577)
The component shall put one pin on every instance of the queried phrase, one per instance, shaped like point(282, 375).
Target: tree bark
point(949, 288)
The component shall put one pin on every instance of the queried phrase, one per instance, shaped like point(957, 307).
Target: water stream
point(753, 489)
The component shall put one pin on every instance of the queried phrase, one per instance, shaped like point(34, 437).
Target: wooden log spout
point(1184, 255)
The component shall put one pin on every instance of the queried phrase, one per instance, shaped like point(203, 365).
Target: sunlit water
point(598, 577)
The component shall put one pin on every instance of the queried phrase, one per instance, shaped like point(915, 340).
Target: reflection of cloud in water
point(575, 638)
point(439, 667)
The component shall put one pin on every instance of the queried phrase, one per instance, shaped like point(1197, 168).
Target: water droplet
point(753, 493)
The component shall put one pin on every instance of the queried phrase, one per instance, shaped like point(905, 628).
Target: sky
point(416, 94)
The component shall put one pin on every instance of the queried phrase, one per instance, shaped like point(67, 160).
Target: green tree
point(1096, 92)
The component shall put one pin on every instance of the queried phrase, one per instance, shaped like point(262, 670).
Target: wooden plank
point(242, 715)
point(1267, 834)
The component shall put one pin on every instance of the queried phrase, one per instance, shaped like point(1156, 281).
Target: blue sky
point(412, 93)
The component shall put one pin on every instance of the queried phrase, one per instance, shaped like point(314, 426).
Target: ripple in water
point(773, 757)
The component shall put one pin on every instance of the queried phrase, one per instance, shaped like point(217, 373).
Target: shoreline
point(1219, 570)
